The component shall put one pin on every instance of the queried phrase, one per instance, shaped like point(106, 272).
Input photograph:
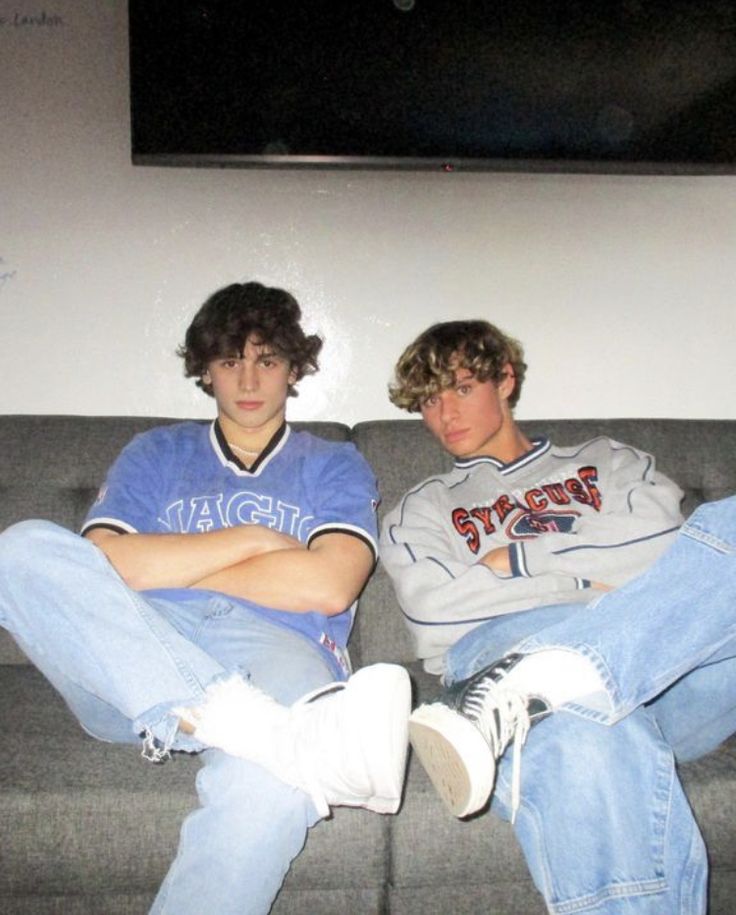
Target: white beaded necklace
point(244, 451)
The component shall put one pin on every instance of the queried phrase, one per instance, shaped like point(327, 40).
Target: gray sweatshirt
point(592, 513)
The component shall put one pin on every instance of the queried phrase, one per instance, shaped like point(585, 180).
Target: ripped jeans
point(121, 661)
point(604, 823)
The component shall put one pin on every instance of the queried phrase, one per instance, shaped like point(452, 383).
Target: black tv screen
point(551, 85)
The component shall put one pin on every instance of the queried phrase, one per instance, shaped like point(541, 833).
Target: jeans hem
point(160, 734)
point(605, 706)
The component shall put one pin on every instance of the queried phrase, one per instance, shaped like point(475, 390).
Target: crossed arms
point(250, 561)
point(438, 580)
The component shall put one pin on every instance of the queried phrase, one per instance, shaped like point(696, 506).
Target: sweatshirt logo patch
point(528, 524)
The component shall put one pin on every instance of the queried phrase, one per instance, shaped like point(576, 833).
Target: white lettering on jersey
point(206, 513)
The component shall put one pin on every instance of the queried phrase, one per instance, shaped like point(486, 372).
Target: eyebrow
point(262, 354)
point(263, 349)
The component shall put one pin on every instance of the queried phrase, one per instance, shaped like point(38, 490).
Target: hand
point(498, 560)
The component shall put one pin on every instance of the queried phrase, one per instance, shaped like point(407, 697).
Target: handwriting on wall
point(40, 20)
point(6, 275)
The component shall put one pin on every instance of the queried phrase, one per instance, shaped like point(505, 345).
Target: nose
point(248, 375)
point(448, 407)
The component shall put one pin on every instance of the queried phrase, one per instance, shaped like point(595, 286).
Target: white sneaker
point(344, 744)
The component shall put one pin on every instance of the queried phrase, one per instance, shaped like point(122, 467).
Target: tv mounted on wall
point(637, 86)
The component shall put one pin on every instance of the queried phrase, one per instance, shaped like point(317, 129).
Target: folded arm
point(434, 587)
point(250, 561)
point(326, 577)
point(180, 560)
point(637, 520)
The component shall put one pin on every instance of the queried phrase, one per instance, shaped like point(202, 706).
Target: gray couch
point(91, 828)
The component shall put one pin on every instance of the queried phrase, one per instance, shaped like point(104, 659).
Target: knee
point(24, 542)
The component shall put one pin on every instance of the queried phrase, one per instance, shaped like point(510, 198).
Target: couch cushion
point(87, 818)
point(78, 450)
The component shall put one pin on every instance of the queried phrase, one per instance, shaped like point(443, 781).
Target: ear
point(206, 379)
point(293, 376)
point(508, 382)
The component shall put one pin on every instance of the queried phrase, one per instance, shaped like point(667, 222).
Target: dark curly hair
point(429, 364)
point(242, 311)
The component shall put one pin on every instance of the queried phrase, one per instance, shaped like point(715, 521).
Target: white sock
point(555, 674)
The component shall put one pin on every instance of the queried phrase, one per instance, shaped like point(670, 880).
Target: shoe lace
point(502, 716)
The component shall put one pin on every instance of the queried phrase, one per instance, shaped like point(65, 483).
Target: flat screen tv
point(637, 86)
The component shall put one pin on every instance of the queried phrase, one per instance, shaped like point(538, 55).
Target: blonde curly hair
point(430, 363)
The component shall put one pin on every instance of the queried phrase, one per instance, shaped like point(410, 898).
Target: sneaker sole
point(455, 756)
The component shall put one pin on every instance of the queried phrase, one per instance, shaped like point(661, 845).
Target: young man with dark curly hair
point(208, 604)
point(567, 611)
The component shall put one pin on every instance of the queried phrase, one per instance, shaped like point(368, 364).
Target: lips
point(455, 435)
point(249, 404)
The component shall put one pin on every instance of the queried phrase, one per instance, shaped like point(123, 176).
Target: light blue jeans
point(604, 823)
point(122, 661)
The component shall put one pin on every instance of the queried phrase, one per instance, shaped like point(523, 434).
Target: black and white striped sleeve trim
point(109, 524)
point(517, 561)
point(350, 529)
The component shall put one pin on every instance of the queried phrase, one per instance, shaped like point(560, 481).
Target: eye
point(229, 363)
point(464, 389)
point(269, 360)
point(431, 401)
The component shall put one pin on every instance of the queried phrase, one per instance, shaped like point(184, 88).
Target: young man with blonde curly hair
point(554, 591)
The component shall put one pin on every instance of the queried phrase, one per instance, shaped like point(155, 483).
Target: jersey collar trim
point(540, 446)
point(229, 459)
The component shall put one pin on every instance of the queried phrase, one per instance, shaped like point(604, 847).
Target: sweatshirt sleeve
point(637, 518)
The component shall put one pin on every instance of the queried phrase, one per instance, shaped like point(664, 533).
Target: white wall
point(620, 287)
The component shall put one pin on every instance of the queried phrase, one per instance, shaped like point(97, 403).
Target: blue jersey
point(184, 478)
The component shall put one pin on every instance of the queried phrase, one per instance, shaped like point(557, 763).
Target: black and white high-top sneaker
point(460, 737)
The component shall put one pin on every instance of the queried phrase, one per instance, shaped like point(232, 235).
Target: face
point(471, 418)
point(251, 392)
